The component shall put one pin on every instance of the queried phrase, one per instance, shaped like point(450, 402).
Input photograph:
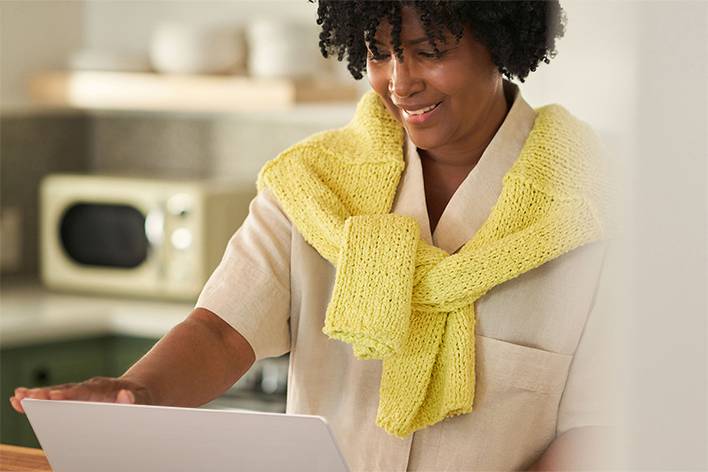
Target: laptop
point(80, 436)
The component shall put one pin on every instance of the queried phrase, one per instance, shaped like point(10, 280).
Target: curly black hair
point(518, 34)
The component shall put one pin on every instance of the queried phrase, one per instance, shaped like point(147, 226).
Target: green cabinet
point(60, 362)
point(124, 351)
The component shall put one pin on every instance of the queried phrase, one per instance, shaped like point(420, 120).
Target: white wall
point(638, 72)
point(127, 24)
point(595, 72)
point(667, 398)
point(34, 36)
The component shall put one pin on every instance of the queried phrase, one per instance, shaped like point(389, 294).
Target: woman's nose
point(404, 81)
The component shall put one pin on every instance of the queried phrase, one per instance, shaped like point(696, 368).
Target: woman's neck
point(445, 170)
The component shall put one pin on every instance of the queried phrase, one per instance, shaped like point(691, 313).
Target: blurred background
point(174, 96)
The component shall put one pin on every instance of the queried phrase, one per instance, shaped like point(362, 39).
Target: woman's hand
point(95, 389)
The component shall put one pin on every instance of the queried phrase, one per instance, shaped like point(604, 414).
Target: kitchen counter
point(22, 459)
point(30, 314)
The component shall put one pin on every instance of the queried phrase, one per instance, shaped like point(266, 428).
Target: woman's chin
point(423, 140)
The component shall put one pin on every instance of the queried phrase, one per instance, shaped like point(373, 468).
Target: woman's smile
point(420, 114)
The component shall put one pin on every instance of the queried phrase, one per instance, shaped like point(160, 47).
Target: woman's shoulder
point(562, 146)
point(564, 156)
point(371, 133)
point(372, 136)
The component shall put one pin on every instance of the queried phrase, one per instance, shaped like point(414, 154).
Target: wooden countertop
point(22, 459)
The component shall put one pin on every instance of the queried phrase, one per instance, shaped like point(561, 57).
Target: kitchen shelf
point(160, 92)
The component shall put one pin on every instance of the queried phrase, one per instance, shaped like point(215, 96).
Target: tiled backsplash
point(169, 147)
point(32, 146)
point(191, 145)
point(153, 144)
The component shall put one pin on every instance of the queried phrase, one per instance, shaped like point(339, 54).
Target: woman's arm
point(192, 364)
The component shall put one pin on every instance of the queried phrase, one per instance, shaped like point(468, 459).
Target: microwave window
point(104, 235)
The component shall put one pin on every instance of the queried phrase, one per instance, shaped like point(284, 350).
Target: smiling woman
point(432, 267)
point(438, 68)
point(449, 99)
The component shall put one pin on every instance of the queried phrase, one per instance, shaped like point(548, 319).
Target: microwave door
point(108, 235)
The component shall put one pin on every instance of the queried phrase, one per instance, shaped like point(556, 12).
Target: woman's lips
point(420, 117)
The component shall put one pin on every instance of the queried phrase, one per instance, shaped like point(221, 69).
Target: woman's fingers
point(39, 393)
point(56, 394)
point(98, 389)
point(74, 392)
point(16, 405)
point(125, 396)
point(95, 389)
point(22, 392)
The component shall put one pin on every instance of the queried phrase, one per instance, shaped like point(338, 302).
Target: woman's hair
point(518, 34)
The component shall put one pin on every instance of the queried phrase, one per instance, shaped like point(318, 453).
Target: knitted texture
point(398, 298)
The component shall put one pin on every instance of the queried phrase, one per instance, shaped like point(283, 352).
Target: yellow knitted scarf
point(402, 300)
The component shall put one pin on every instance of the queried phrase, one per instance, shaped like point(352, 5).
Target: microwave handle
point(155, 234)
point(155, 226)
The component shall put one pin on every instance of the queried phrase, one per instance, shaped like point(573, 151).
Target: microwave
point(158, 238)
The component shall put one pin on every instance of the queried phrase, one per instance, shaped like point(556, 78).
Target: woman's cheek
point(379, 83)
point(377, 79)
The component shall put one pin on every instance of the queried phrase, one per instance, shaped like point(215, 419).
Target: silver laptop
point(109, 437)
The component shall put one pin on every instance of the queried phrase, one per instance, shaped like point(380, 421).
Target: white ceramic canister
point(281, 48)
point(180, 48)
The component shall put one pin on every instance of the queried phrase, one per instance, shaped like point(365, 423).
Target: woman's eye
point(377, 57)
point(431, 54)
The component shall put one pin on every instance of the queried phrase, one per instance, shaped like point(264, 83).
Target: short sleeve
point(588, 396)
point(250, 288)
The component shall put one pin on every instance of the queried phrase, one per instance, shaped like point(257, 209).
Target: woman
point(430, 267)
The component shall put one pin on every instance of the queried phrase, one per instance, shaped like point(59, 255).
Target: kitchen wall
point(31, 146)
point(36, 141)
point(54, 29)
point(638, 72)
point(667, 325)
point(114, 24)
point(35, 36)
point(181, 145)
point(596, 72)
point(157, 144)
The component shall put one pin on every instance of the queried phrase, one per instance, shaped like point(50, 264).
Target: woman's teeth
point(421, 111)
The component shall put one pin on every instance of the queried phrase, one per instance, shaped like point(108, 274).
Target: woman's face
point(439, 101)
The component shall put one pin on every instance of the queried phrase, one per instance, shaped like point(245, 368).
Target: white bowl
point(280, 48)
point(179, 48)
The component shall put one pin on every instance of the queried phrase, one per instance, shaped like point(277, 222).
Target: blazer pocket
point(504, 365)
